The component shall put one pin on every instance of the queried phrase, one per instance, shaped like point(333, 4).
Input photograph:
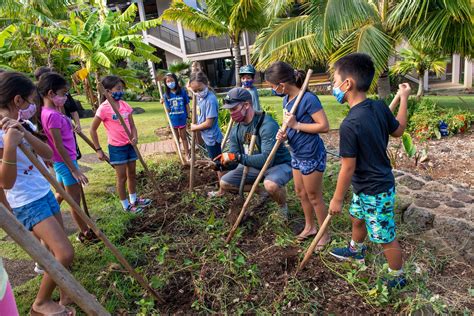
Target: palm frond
point(248, 15)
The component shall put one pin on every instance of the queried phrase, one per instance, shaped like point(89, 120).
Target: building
point(174, 43)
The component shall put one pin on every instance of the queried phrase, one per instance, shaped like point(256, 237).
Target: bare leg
point(308, 209)
point(75, 192)
point(121, 172)
point(278, 194)
point(132, 177)
point(184, 139)
point(393, 254)
point(359, 231)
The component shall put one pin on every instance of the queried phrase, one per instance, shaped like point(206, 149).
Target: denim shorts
point(279, 174)
point(122, 154)
point(37, 211)
point(309, 166)
point(214, 150)
point(377, 212)
point(63, 174)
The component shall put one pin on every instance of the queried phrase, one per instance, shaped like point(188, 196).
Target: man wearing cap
point(239, 102)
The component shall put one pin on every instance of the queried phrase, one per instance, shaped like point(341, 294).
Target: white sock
point(125, 204)
point(356, 245)
point(395, 273)
point(133, 198)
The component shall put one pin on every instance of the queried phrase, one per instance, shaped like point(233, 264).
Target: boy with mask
point(364, 137)
point(247, 78)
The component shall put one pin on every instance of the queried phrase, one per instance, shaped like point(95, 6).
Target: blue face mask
point(274, 92)
point(247, 83)
point(171, 85)
point(339, 94)
point(117, 95)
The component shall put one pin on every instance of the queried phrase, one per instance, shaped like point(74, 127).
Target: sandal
point(303, 238)
point(320, 248)
point(67, 311)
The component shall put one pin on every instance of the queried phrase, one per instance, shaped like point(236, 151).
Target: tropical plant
point(420, 58)
point(328, 30)
point(221, 18)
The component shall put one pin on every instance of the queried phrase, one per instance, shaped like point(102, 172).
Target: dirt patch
point(19, 271)
point(449, 158)
point(163, 132)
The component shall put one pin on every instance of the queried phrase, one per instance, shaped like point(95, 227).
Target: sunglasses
point(227, 100)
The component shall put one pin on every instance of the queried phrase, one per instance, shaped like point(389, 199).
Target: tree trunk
point(237, 61)
point(383, 85)
point(419, 94)
point(99, 96)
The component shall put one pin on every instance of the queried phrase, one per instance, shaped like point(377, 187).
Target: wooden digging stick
point(116, 107)
point(314, 243)
point(268, 162)
point(88, 221)
point(91, 144)
point(173, 132)
point(227, 133)
point(245, 172)
point(60, 275)
point(193, 146)
point(84, 202)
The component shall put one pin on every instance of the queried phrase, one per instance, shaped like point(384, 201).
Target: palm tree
point(329, 30)
point(221, 17)
point(420, 58)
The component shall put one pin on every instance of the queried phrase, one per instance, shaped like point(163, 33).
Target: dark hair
point(178, 87)
point(199, 77)
point(41, 70)
point(358, 66)
point(50, 81)
point(281, 72)
point(13, 84)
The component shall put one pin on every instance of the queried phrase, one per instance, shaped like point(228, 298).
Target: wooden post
point(315, 241)
point(193, 146)
point(173, 132)
point(84, 202)
point(34, 160)
point(227, 133)
point(116, 107)
point(91, 144)
point(268, 162)
point(245, 172)
point(60, 275)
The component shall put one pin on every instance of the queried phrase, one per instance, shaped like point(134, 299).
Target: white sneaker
point(38, 269)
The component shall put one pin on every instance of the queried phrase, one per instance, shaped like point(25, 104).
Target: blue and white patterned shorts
point(310, 165)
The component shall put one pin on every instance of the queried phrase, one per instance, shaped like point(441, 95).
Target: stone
point(403, 190)
point(437, 187)
point(138, 110)
point(403, 203)
point(459, 234)
point(463, 197)
point(446, 150)
point(419, 217)
point(454, 203)
point(427, 203)
point(397, 173)
point(411, 183)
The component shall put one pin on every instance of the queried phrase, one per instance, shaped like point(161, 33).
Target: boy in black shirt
point(364, 137)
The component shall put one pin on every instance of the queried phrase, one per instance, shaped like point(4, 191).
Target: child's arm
point(343, 182)
point(394, 103)
point(404, 92)
point(133, 129)
point(204, 125)
point(95, 137)
point(320, 125)
point(8, 167)
point(58, 143)
point(3, 200)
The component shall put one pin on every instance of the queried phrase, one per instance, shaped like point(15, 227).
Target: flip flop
point(320, 248)
point(67, 311)
point(303, 238)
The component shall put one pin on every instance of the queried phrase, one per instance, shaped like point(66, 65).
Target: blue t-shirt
point(304, 146)
point(364, 135)
point(208, 107)
point(176, 104)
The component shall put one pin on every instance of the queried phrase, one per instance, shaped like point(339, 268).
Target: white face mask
point(202, 94)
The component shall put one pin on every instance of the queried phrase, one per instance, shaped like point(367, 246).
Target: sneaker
point(38, 269)
point(142, 202)
point(134, 209)
point(347, 254)
point(397, 282)
point(88, 237)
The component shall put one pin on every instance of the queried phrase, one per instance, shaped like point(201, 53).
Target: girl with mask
point(307, 148)
point(121, 152)
point(177, 102)
point(28, 193)
point(52, 88)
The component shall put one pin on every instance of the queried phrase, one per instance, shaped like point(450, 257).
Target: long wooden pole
point(268, 162)
point(84, 201)
point(91, 144)
point(88, 221)
point(245, 172)
point(227, 133)
point(173, 132)
point(315, 241)
point(115, 106)
point(192, 170)
point(60, 275)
